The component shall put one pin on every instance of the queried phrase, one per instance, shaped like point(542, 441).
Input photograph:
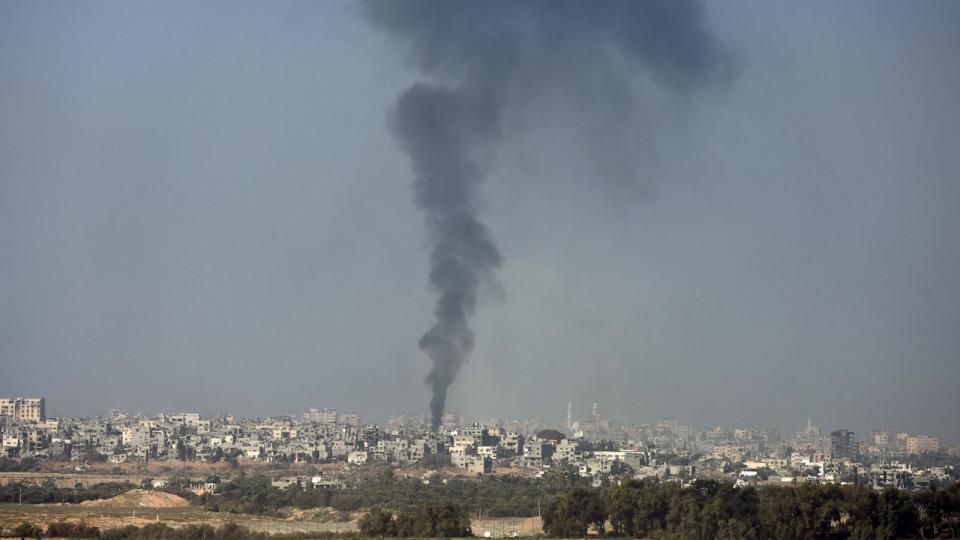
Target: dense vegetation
point(716, 511)
point(65, 529)
point(18, 465)
point(50, 493)
point(407, 507)
point(706, 510)
point(427, 521)
point(158, 531)
point(496, 496)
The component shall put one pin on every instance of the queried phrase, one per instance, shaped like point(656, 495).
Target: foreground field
point(63, 474)
point(107, 516)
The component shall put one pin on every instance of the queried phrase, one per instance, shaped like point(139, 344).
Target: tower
point(569, 415)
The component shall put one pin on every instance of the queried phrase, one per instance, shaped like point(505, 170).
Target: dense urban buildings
point(592, 447)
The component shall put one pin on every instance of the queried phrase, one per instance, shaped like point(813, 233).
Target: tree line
point(155, 531)
point(636, 508)
point(710, 510)
point(496, 496)
point(48, 492)
point(18, 465)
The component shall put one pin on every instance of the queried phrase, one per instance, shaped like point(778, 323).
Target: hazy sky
point(202, 208)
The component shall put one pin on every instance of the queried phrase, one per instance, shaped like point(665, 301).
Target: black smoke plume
point(486, 59)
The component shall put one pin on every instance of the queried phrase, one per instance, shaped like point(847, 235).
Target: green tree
point(433, 520)
point(573, 513)
point(683, 516)
point(860, 508)
point(377, 522)
point(820, 508)
point(896, 514)
point(27, 529)
point(559, 479)
point(736, 529)
point(621, 503)
point(653, 504)
point(779, 515)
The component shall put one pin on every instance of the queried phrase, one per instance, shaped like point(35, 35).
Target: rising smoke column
point(489, 58)
point(439, 127)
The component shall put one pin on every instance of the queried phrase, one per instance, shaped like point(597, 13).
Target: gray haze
point(447, 128)
point(201, 208)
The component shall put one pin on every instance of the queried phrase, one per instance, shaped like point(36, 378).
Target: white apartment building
point(24, 409)
point(922, 445)
point(326, 416)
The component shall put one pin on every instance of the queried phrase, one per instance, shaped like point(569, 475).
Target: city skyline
point(559, 422)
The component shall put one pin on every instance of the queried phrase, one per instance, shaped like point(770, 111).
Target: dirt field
point(12, 515)
point(140, 498)
point(119, 513)
point(141, 507)
point(65, 476)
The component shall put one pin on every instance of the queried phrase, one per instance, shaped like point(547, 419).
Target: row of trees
point(48, 492)
point(498, 496)
point(18, 465)
point(154, 531)
point(713, 510)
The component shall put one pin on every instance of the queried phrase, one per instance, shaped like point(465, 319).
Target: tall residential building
point(325, 416)
point(118, 415)
point(922, 445)
point(883, 438)
point(843, 445)
point(349, 419)
point(24, 409)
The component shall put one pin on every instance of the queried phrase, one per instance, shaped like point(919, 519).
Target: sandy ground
point(65, 476)
point(141, 507)
point(116, 514)
point(12, 515)
point(140, 498)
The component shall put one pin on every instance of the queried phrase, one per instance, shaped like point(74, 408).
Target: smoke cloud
point(485, 60)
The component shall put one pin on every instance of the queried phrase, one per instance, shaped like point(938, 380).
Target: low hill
point(141, 497)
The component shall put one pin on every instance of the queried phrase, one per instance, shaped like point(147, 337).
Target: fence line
point(506, 527)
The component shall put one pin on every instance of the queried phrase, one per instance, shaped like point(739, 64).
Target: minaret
point(569, 415)
point(594, 409)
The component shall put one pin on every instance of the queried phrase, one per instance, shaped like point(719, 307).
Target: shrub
point(65, 529)
point(27, 529)
point(433, 520)
point(376, 522)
